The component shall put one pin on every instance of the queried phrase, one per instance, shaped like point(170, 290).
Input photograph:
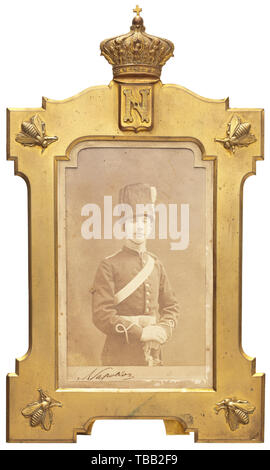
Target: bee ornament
point(33, 132)
point(238, 134)
point(40, 412)
point(236, 411)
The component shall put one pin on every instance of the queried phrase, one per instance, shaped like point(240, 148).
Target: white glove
point(154, 333)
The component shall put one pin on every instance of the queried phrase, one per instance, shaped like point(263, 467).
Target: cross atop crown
point(137, 10)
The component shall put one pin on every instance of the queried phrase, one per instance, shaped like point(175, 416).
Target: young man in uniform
point(133, 302)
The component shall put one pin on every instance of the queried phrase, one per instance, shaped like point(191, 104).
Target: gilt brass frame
point(178, 114)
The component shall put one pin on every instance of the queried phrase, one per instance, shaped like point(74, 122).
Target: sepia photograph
point(135, 265)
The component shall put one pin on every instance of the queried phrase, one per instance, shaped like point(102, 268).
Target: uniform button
point(147, 309)
point(147, 284)
point(147, 301)
point(147, 293)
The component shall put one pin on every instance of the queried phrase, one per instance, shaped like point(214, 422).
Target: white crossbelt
point(136, 282)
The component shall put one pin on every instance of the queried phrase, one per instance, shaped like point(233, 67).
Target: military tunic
point(154, 297)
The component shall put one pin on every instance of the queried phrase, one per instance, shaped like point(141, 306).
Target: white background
point(52, 48)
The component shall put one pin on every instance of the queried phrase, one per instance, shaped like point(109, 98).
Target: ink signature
point(108, 373)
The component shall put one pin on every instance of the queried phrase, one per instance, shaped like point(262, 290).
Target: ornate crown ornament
point(137, 54)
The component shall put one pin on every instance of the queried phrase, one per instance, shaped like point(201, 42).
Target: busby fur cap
point(137, 193)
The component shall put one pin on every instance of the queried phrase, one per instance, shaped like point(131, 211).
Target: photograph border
point(94, 114)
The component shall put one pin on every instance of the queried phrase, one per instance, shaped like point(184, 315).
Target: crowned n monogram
point(136, 103)
point(137, 59)
point(132, 102)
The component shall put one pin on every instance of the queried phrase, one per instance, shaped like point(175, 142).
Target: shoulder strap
point(136, 282)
